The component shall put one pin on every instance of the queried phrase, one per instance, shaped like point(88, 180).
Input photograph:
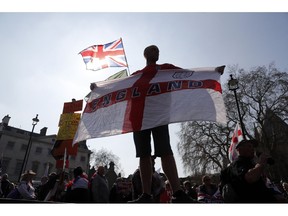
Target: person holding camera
point(246, 175)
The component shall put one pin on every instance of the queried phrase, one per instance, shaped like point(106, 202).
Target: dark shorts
point(142, 140)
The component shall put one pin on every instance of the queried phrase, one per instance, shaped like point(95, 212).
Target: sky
point(41, 68)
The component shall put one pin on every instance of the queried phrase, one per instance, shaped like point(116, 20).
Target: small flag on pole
point(236, 138)
point(120, 74)
point(98, 57)
point(64, 162)
point(46, 173)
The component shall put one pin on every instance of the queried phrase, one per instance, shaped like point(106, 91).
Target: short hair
point(78, 171)
point(205, 177)
point(148, 48)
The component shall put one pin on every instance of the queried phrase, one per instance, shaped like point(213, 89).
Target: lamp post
point(233, 86)
point(34, 123)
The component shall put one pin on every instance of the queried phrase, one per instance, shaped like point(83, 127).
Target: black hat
point(253, 141)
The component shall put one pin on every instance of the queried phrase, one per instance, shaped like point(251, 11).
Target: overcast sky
point(41, 68)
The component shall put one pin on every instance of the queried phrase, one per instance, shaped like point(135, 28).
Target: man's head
point(101, 170)
point(77, 171)
point(206, 180)
point(187, 185)
point(4, 176)
point(44, 179)
point(151, 53)
point(246, 148)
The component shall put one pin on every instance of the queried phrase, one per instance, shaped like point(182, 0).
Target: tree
point(103, 157)
point(204, 146)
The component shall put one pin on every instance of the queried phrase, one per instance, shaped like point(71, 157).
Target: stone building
point(13, 145)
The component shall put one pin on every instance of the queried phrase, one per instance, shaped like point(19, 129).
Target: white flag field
point(144, 101)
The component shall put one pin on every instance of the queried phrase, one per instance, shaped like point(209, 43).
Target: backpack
point(227, 191)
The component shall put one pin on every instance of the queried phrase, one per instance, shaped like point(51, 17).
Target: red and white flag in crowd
point(236, 138)
point(144, 101)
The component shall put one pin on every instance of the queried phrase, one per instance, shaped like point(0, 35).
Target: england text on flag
point(136, 103)
point(98, 57)
point(236, 138)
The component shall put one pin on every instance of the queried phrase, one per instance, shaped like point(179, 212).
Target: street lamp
point(35, 121)
point(233, 86)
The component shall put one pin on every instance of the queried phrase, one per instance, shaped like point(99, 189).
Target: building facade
point(13, 145)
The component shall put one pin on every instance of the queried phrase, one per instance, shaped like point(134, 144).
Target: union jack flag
point(98, 57)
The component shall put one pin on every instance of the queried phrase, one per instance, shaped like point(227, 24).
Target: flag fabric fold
point(118, 75)
point(98, 57)
point(136, 103)
point(237, 137)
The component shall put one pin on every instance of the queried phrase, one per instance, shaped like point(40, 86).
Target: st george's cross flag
point(98, 57)
point(237, 137)
point(141, 101)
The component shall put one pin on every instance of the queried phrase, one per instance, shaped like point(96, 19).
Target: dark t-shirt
point(255, 192)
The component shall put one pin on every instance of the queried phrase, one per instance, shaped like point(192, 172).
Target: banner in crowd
point(148, 100)
point(68, 124)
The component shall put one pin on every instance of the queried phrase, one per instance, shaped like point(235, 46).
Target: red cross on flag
point(237, 137)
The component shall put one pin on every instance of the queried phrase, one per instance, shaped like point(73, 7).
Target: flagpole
point(125, 57)
point(64, 160)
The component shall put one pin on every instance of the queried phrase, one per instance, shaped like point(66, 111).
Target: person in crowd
point(78, 188)
point(6, 185)
point(246, 176)
point(162, 147)
point(191, 192)
point(166, 193)
point(99, 186)
point(25, 187)
point(47, 185)
point(121, 191)
point(207, 190)
point(156, 186)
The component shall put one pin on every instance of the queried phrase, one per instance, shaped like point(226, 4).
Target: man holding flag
point(161, 139)
point(145, 103)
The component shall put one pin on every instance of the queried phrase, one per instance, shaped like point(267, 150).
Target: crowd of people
point(243, 181)
point(59, 188)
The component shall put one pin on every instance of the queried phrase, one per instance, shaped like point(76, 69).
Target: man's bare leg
point(146, 174)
